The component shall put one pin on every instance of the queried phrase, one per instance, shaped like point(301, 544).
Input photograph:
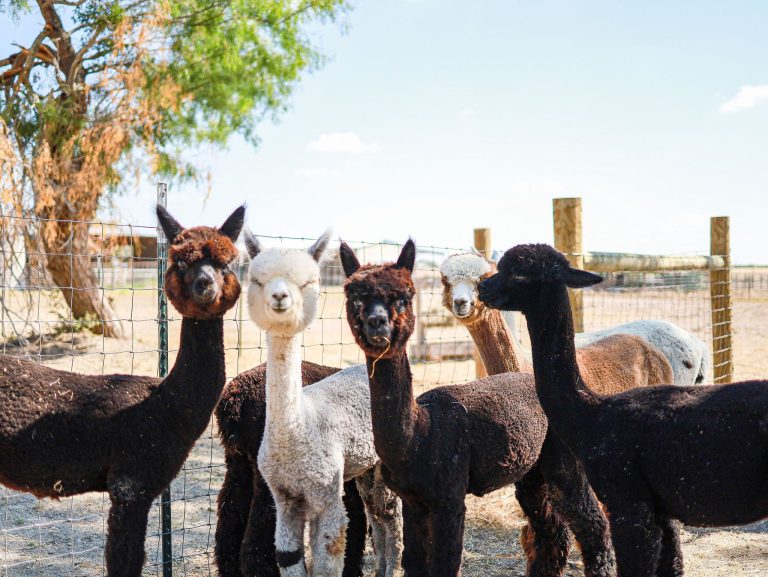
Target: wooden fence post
point(568, 240)
point(720, 294)
point(484, 245)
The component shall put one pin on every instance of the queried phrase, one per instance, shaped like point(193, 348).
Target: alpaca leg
point(671, 558)
point(328, 537)
point(572, 498)
point(447, 525)
point(127, 526)
point(637, 540)
point(416, 536)
point(365, 486)
point(257, 552)
point(385, 517)
point(233, 504)
point(393, 529)
point(545, 539)
point(289, 536)
point(357, 531)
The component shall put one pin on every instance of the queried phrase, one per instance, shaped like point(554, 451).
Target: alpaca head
point(526, 272)
point(199, 282)
point(380, 301)
point(284, 285)
point(461, 273)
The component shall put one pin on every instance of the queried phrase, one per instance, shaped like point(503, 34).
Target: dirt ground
point(65, 539)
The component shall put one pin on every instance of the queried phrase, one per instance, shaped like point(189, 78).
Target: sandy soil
point(59, 539)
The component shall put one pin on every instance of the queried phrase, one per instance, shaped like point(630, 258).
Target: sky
point(432, 118)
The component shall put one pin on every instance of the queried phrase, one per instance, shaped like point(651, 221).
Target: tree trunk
point(69, 262)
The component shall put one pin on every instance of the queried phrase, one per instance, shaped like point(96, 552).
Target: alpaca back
point(688, 355)
point(497, 420)
point(73, 441)
point(622, 362)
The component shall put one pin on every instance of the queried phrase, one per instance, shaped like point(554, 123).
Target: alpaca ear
point(318, 250)
point(171, 227)
point(577, 278)
point(252, 244)
point(407, 258)
point(349, 261)
point(234, 224)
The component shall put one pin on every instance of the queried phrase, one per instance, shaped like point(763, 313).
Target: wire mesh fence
point(66, 538)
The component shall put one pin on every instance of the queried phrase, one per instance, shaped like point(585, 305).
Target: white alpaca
point(315, 437)
point(688, 355)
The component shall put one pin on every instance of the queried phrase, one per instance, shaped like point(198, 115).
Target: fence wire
point(66, 538)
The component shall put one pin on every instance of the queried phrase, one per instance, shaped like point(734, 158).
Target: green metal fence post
point(162, 371)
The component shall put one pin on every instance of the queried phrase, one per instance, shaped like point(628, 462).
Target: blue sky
point(434, 117)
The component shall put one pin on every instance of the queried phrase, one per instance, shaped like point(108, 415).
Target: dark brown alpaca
point(653, 455)
point(472, 438)
point(245, 529)
point(63, 433)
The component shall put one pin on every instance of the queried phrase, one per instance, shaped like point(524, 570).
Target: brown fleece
point(203, 242)
point(191, 246)
point(622, 362)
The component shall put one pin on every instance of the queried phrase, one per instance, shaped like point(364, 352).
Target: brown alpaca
point(471, 438)
point(609, 366)
point(654, 455)
point(63, 433)
point(245, 526)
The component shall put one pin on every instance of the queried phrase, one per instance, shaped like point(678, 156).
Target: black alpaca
point(653, 455)
point(64, 433)
point(472, 438)
point(245, 527)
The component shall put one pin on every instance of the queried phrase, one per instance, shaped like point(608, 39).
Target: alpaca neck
point(192, 388)
point(394, 411)
point(498, 349)
point(568, 403)
point(283, 385)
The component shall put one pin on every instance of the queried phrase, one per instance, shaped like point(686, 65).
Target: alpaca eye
point(182, 265)
point(257, 283)
point(358, 304)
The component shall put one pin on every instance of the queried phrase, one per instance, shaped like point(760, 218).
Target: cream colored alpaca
point(316, 437)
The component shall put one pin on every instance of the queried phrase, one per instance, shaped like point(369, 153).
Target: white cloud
point(747, 97)
point(317, 173)
point(467, 113)
point(348, 142)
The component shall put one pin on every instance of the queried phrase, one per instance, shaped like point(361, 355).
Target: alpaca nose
point(279, 296)
point(460, 302)
point(377, 317)
point(376, 321)
point(203, 287)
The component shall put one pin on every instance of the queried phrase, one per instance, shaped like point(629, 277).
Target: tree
point(105, 86)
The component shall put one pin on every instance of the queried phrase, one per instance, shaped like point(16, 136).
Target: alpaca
point(653, 455)
point(316, 437)
point(614, 364)
point(471, 438)
point(64, 433)
point(245, 524)
point(688, 355)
